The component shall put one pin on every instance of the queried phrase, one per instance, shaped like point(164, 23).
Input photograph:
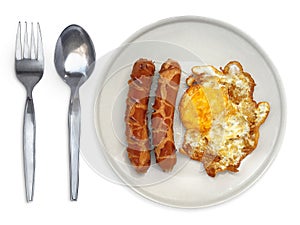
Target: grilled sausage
point(163, 115)
point(137, 133)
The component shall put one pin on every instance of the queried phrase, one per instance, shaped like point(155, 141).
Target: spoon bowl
point(74, 61)
point(75, 55)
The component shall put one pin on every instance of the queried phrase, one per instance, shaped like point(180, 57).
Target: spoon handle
point(74, 141)
point(29, 147)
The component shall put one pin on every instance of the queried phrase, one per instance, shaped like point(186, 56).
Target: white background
point(275, 198)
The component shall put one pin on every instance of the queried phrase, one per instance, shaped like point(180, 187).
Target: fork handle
point(29, 147)
point(74, 141)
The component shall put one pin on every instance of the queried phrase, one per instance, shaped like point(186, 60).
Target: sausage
point(137, 132)
point(163, 115)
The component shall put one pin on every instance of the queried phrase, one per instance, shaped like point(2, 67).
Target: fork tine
point(18, 50)
point(32, 44)
point(26, 52)
point(40, 52)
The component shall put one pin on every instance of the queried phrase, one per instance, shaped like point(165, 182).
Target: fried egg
point(221, 118)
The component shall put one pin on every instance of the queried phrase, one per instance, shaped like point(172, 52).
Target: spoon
point(74, 60)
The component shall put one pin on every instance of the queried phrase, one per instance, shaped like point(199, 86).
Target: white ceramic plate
point(191, 41)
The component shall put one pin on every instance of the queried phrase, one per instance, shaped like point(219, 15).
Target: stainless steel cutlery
point(29, 67)
point(74, 61)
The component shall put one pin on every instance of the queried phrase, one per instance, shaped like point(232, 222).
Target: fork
point(29, 67)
